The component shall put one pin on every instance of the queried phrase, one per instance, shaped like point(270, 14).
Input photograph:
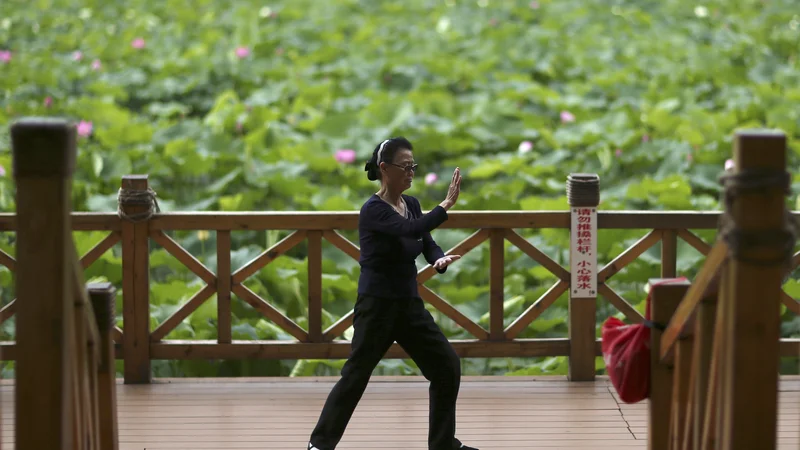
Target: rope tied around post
point(757, 182)
point(137, 197)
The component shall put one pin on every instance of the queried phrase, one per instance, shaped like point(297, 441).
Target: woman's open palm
point(455, 187)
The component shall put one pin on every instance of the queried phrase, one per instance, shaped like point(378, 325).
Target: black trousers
point(377, 323)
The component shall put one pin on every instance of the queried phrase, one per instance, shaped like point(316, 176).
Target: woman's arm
point(432, 251)
point(381, 217)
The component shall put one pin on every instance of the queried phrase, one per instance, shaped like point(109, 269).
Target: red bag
point(626, 352)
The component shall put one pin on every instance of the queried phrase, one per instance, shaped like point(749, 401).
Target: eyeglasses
point(408, 169)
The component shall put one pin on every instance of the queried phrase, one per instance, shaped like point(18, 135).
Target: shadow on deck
point(494, 413)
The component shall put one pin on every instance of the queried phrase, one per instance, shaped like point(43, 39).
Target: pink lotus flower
point(534, 5)
point(345, 156)
point(689, 157)
point(5, 56)
point(96, 64)
point(618, 152)
point(567, 117)
point(2, 171)
point(137, 43)
point(645, 138)
point(84, 128)
point(48, 101)
point(242, 52)
point(431, 178)
point(729, 165)
point(525, 147)
point(77, 55)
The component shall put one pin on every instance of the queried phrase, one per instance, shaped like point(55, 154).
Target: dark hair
point(387, 150)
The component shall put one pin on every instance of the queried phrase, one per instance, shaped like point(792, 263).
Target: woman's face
point(399, 174)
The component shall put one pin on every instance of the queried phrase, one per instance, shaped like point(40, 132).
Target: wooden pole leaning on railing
point(583, 193)
point(43, 162)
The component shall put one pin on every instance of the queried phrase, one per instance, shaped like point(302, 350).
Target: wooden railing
point(715, 367)
point(138, 225)
point(65, 375)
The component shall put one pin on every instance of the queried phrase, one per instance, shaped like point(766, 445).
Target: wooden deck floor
point(495, 413)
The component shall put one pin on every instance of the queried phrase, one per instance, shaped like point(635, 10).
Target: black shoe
point(465, 447)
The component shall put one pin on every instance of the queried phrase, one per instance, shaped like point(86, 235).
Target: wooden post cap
point(102, 296)
point(43, 146)
point(750, 146)
point(583, 190)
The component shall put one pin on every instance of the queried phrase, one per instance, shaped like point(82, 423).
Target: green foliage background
point(657, 89)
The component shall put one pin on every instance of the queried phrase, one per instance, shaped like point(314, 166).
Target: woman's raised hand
point(453, 190)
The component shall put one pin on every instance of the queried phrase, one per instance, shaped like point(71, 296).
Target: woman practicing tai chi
point(393, 232)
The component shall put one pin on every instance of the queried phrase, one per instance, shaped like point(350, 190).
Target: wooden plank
point(462, 248)
point(183, 312)
point(695, 241)
point(454, 314)
point(198, 349)
point(348, 220)
point(8, 311)
point(136, 289)
point(629, 255)
point(342, 243)
point(315, 286)
point(496, 283)
point(678, 321)
point(270, 312)
point(79, 221)
point(7, 261)
point(753, 331)
point(185, 258)
point(495, 413)
point(792, 304)
point(664, 300)
point(623, 306)
point(43, 158)
point(536, 309)
point(224, 279)
point(268, 256)
point(97, 251)
point(537, 255)
point(339, 327)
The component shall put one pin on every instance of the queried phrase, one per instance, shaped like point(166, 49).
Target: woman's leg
point(373, 323)
point(425, 343)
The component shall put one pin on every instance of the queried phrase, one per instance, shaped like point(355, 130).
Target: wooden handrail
point(717, 387)
point(697, 292)
point(488, 336)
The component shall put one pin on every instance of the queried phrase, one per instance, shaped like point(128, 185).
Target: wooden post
point(44, 161)
point(496, 284)
point(224, 331)
point(135, 207)
point(315, 286)
point(760, 249)
point(669, 253)
point(664, 300)
point(583, 192)
point(102, 297)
